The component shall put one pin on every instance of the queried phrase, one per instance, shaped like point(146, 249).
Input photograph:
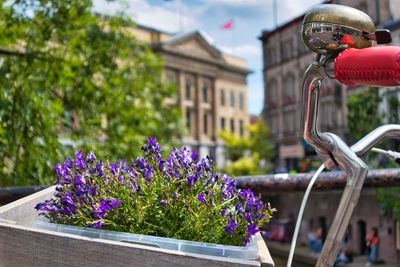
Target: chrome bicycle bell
point(329, 29)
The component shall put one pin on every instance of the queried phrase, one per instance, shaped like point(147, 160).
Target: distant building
point(285, 60)
point(391, 96)
point(212, 87)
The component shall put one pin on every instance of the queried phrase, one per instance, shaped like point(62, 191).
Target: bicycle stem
point(334, 152)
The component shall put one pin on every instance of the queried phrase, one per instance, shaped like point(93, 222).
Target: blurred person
point(315, 241)
point(372, 240)
point(345, 256)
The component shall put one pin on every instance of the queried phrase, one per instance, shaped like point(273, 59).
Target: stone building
point(212, 87)
point(285, 60)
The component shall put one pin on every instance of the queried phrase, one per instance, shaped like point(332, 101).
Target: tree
point(364, 117)
point(248, 156)
point(75, 75)
point(363, 114)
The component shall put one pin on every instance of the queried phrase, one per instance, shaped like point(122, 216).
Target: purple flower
point(113, 168)
point(223, 211)
point(161, 165)
point(194, 155)
point(144, 168)
point(91, 190)
point(97, 224)
point(68, 163)
point(79, 190)
point(46, 206)
point(67, 201)
point(99, 169)
point(200, 197)
point(231, 226)
point(153, 145)
point(105, 206)
point(99, 211)
point(79, 179)
point(79, 160)
point(163, 202)
point(90, 157)
point(185, 157)
point(252, 230)
point(68, 205)
point(63, 173)
point(245, 194)
point(113, 203)
point(248, 218)
point(191, 179)
point(239, 208)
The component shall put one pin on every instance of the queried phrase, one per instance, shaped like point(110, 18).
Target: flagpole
point(275, 11)
point(233, 36)
point(180, 16)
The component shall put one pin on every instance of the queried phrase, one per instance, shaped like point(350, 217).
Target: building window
point(222, 123)
point(241, 101)
point(232, 98)
point(222, 97)
point(205, 92)
point(241, 128)
point(232, 125)
point(289, 89)
point(271, 93)
point(205, 123)
point(188, 88)
point(188, 116)
point(287, 51)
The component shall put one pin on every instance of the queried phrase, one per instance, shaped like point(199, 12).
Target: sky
point(250, 18)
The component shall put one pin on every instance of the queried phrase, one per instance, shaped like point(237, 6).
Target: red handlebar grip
point(373, 66)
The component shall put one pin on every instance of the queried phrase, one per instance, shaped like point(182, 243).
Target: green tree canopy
point(75, 75)
point(363, 116)
point(248, 155)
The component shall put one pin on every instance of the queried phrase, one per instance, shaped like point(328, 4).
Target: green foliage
point(363, 114)
point(364, 117)
point(249, 155)
point(390, 197)
point(77, 76)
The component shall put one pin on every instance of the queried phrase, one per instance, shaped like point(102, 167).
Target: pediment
point(195, 45)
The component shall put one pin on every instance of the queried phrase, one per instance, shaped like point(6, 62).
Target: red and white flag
point(227, 25)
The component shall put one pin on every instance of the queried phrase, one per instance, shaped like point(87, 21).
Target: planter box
point(22, 245)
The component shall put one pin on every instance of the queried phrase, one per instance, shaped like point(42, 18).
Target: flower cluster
point(179, 197)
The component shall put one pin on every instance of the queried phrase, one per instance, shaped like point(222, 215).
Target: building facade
point(212, 88)
point(285, 60)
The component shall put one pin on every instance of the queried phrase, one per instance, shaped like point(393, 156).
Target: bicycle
point(342, 38)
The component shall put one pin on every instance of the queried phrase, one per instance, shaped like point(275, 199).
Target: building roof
point(176, 45)
point(201, 37)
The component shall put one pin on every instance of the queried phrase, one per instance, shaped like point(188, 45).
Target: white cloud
point(245, 50)
point(162, 17)
point(237, 2)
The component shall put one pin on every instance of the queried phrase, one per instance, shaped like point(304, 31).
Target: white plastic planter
point(48, 244)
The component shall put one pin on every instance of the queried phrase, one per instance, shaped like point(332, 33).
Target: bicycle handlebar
point(373, 66)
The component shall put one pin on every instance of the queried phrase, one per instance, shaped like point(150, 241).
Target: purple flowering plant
point(177, 197)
